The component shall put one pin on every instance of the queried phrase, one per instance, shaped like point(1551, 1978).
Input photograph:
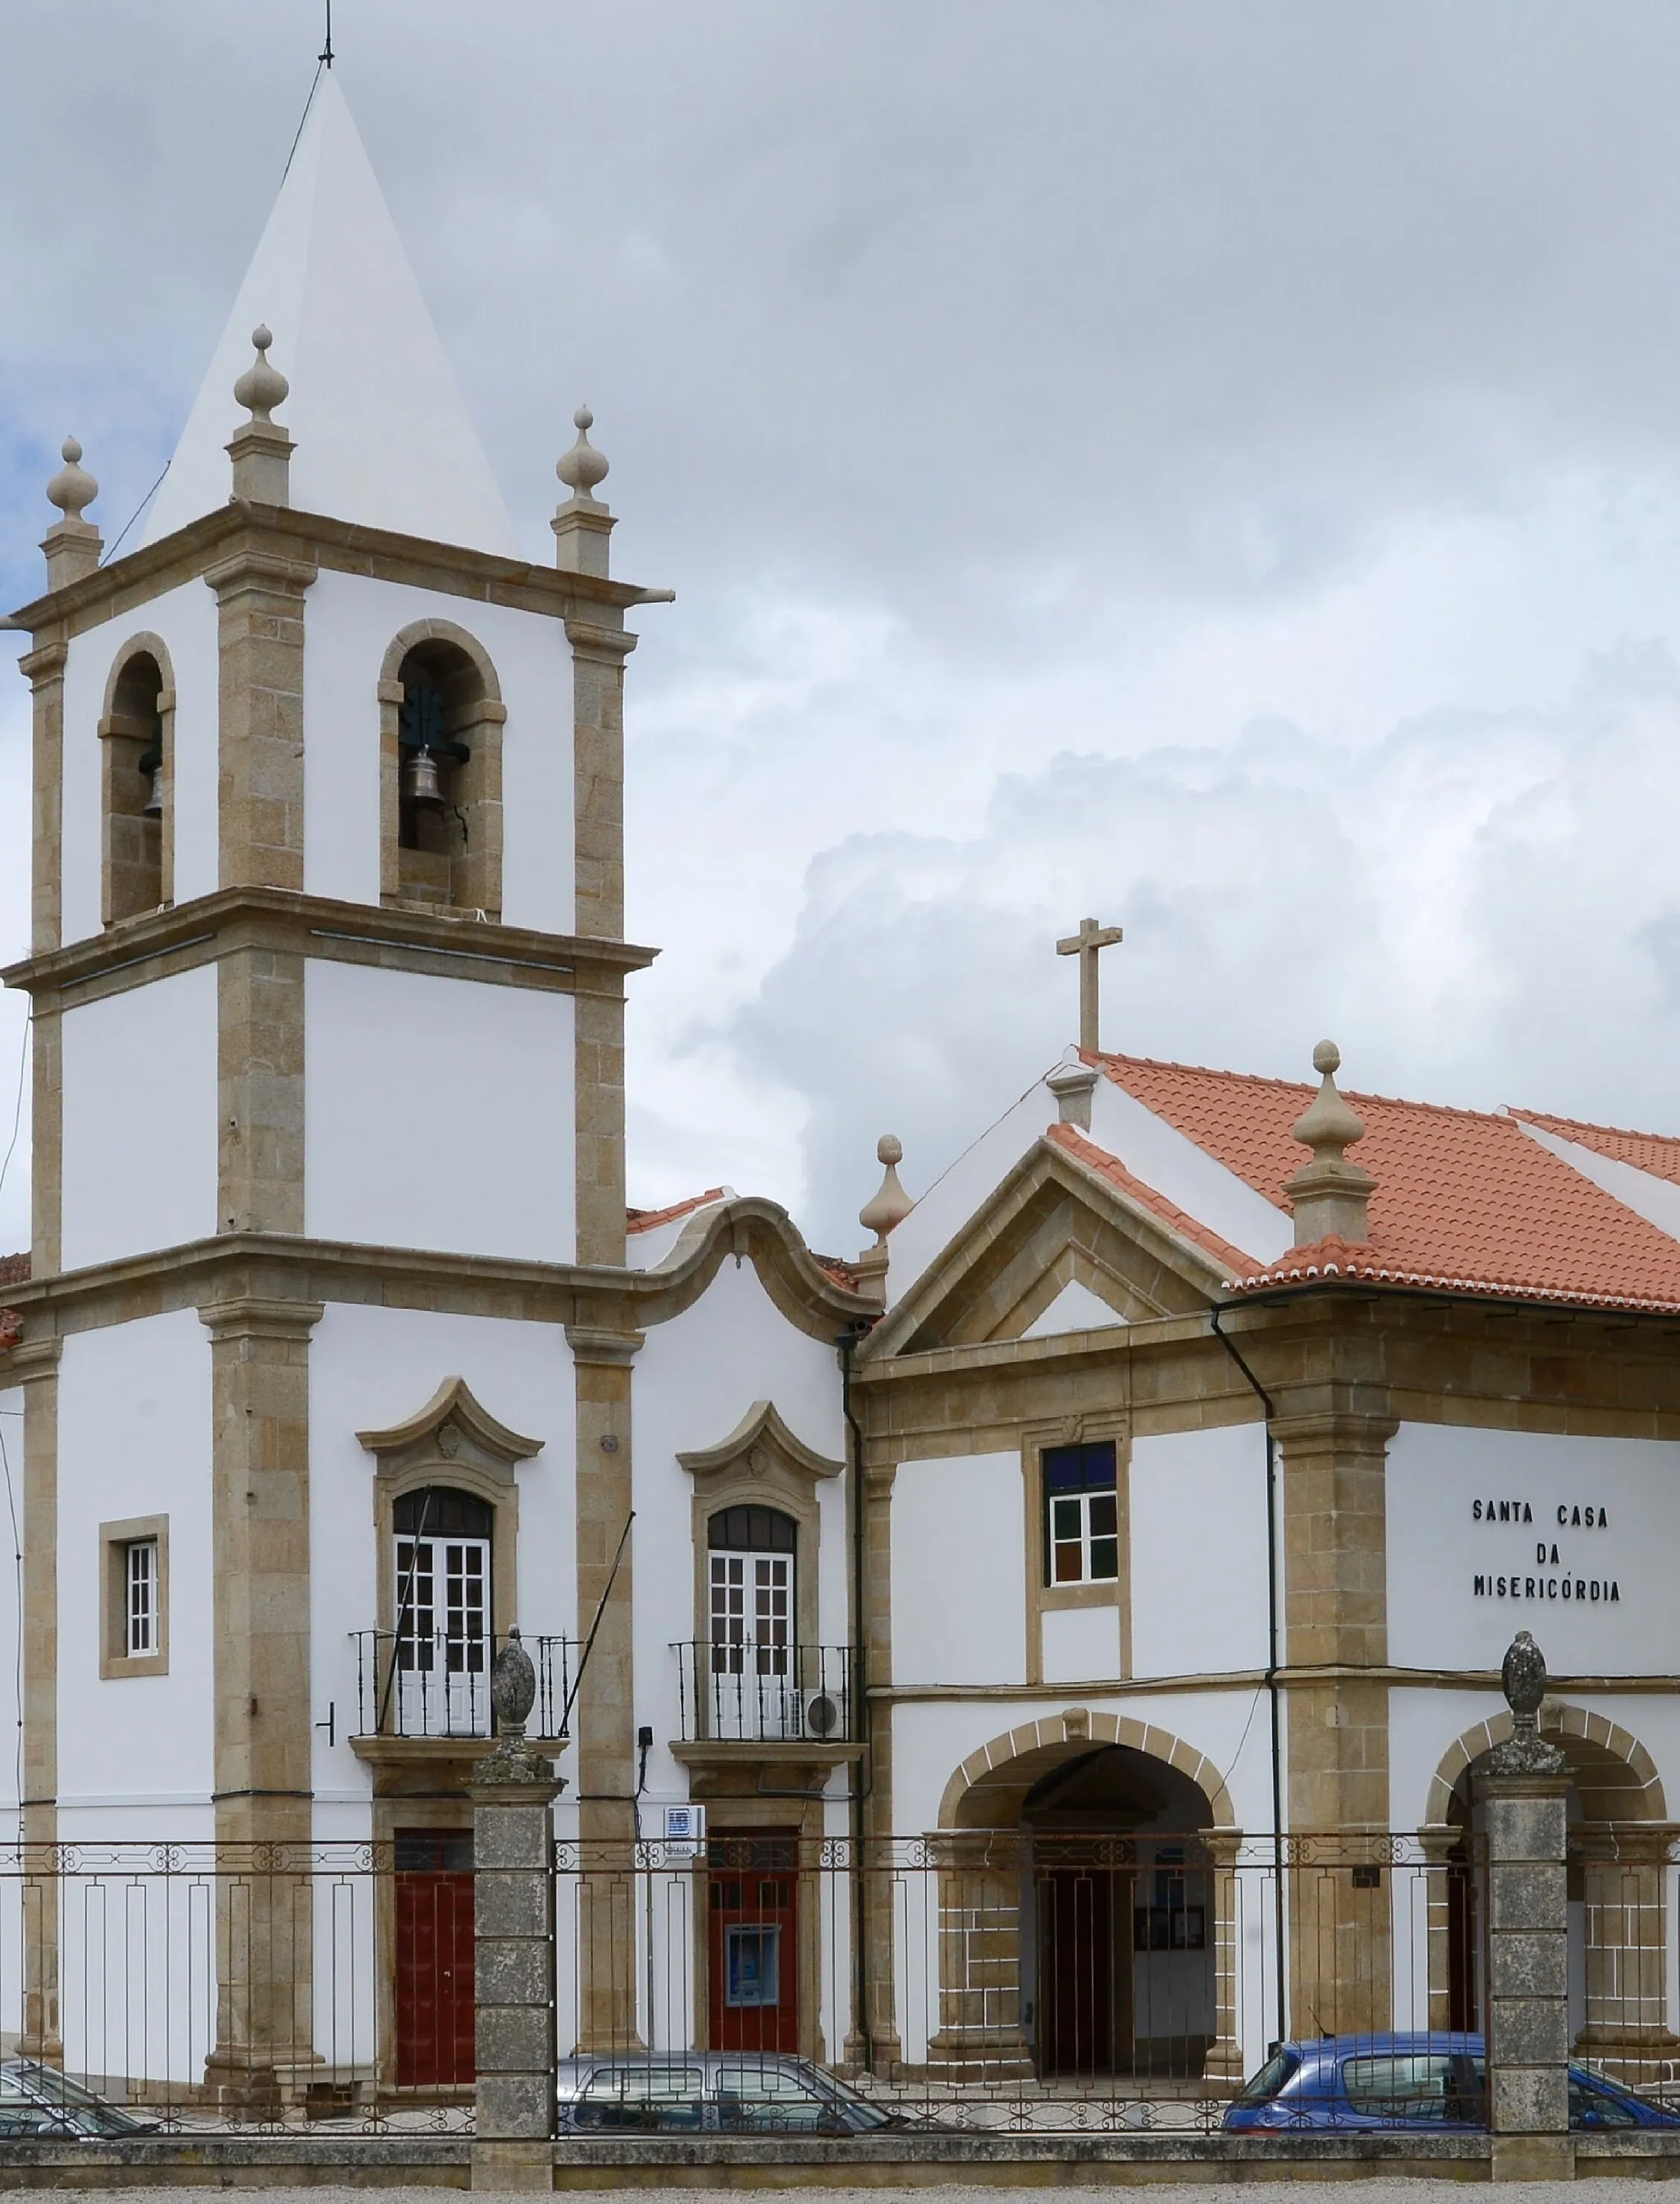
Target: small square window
point(1081, 1514)
point(134, 1629)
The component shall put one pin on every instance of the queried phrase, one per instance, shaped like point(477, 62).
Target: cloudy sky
point(1213, 463)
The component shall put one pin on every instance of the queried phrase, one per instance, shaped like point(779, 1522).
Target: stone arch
point(1041, 1744)
point(452, 860)
point(1614, 1775)
point(137, 741)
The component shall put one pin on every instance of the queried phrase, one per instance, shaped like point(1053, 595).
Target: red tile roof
point(1656, 1153)
point(1465, 1200)
point(649, 1220)
point(15, 1270)
point(842, 1272)
point(1110, 1168)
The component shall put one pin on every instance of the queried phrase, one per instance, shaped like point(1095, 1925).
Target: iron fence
point(765, 1693)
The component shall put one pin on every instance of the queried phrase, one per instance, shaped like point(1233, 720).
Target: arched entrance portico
point(1620, 1836)
point(1086, 1906)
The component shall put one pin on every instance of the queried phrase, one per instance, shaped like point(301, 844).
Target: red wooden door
point(434, 1956)
point(753, 1909)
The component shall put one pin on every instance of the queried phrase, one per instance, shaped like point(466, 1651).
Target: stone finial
point(1522, 1679)
point(513, 1687)
point(261, 449)
point(262, 386)
point(583, 525)
point(583, 468)
point(72, 487)
point(71, 544)
point(887, 1206)
point(1330, 1196)
point(1073, 1086)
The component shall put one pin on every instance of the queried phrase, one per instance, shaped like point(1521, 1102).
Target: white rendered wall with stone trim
point(1441, 1480)
point(350, 623)
point(140, 1162)
point(959, 1529)
point(438, 1113)
point(136, 1753)
point(696, 1379)
point(1197, 1507)
point(371, 1368)
point(185, 619)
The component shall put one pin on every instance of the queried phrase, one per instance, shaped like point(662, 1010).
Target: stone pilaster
point(46, 1185)
point(1528, 1966)
point(260, 796)
point(877, 2043)
point(604, 1716)
point(43, 670)
point(598, 1039)
point(598, 654)
point(259, 1376)
point(259, 998)
point(513, 1792)
point(34, 1365)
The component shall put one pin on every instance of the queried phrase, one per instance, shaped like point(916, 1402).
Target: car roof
point(1441, 2041)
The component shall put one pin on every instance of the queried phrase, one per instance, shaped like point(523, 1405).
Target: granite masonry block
point(1528, 1965)
point(1529, 2031)
point(1531, 1896)
point(512, 1903)
point(515, 2040)
point(515, 2107)
point(1528, 2099)
point(514, 1971)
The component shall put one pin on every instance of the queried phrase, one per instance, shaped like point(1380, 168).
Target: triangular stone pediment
point(1055, 1251)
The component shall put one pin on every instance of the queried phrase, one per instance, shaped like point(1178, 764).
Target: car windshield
point(23, 2079)
point(1279, 2070)
point(640, 2095)
point(1415, 2085)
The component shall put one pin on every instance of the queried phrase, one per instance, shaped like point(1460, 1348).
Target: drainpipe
point(1265, 1399)
point(847, 1343)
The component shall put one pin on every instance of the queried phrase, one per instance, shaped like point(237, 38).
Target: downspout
point(847, 1343)
point(1272, 1664)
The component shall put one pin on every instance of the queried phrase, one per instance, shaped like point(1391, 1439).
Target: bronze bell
point(421, 783)
point(153, 806)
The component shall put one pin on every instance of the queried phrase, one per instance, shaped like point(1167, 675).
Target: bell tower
point(327, 981)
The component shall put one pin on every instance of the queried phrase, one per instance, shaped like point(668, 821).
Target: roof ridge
point(1498, 1117)
point(1552, 1117)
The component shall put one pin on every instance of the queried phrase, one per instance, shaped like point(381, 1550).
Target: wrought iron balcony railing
point(437, 1684)
point(768, 1694)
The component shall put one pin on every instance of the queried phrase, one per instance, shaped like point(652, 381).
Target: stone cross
point(1087, 945)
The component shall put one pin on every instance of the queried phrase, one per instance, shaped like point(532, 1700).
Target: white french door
point(443, 1637)
point(754, 1681)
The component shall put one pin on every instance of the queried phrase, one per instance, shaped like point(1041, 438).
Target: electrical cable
point(106, 556)
point(17, 1106)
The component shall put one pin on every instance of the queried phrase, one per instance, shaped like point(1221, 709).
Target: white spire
point(383, 437)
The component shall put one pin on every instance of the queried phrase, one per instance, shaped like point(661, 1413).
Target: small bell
point(153, 806)
point(421, 783)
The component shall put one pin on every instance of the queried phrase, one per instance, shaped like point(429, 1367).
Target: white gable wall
point(185, 620)
point(438, 1113)
point(135, 1438)
point(140, 1164)
point(695, 1380)
point(350, 622)
point(12, 1527)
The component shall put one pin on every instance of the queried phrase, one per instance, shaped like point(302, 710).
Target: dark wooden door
point(1084, 1969)
point(753, 1893)
point(1462, 2003)
point(436, 2011)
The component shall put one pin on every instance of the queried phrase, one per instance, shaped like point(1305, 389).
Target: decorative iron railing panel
point(437, 1684)
point(765, 1693)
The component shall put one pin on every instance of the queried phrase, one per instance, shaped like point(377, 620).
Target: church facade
point(1163, 1476)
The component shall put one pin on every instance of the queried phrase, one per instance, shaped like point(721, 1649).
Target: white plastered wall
point(371, 1368)
point(349, 625)
point(695, 1379)
point(185, 618)
point(959, 1571)
point(139, 1159)
point(136, 1755)
point(1199, 1552)
point(438, 1113)
point(1437, 1547)
point(11, 1529)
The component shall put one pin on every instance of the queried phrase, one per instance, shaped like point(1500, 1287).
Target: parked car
point(1437, 2081)
point(38, 2101)
point(714, 2092)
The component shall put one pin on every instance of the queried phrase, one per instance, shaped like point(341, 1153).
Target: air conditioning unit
point(822, 1715)
point(684, 1831)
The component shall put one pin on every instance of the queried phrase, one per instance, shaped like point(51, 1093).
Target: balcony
point(438, 1686)
point(798, 1695)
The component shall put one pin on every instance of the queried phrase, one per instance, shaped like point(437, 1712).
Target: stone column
point(34, 1364)
point(604, 1717)
point(979, 2037)
point(1224, 2065)
point(1524, 1792)
point(260, 601)
point(514, 1793)
point(44, 669)
point(259, 1381)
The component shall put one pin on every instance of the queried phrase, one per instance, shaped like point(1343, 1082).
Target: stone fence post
point(1524, 1794)
point(513, 1792)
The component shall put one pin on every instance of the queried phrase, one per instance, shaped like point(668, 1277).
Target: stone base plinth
point(521, 2167)
point(1534, 2157)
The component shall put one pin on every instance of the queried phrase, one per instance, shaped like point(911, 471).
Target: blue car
point(1437, 2082)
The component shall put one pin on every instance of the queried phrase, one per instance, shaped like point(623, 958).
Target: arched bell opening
point(135, 733)
point(443, 719)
